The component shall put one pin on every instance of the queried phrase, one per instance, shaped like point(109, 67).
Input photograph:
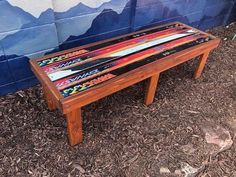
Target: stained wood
point(201, 65)
point(74, 126)
point(151, 89)
point(50, 102)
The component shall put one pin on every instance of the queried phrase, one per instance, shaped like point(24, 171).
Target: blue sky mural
point(32, 28)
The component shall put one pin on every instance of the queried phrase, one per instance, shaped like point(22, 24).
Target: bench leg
point(51, 104)
point(74, 127)
point(201, 64)
point(151, 89)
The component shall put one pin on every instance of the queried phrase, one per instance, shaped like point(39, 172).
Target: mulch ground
point(123, 137)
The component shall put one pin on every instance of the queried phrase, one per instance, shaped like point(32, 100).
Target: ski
point(84, 85)
point(118, 54)
point(110, 49)
point(62, 83)
point(75, 54)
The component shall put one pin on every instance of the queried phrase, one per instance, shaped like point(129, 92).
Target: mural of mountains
point(78, 25)
point(27, 33)
point(82, 9)
point(107, 21)
point(13, 18)
point(26, 42)
point(29, 40)
point(149, 14)
point(46, 17)
point(2, 57)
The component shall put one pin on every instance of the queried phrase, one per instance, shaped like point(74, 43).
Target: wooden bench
point(77, 77)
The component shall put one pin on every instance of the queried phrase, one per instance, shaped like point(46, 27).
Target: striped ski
point(76, 54)
point(116, 55)
point(90, 56)
point(84, 85)
point(121, 62)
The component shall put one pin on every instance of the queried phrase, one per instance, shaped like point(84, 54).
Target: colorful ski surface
point(76, 54)
point(121, 62)
point(104, 52)
point(77, 71)
point(118, 54)
point(84, 85)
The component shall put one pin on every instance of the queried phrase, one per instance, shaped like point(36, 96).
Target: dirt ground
point(123, 137)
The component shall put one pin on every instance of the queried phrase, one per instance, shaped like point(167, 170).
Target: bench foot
point(74, 127)
point(51, 104)
point(151, 89)
point(201, 65)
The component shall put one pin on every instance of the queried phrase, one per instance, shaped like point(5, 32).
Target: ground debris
point(219, 136)
point(79, 167)
point(190, 121)
point(164, 170)
point(193, 112)
point(190, 171)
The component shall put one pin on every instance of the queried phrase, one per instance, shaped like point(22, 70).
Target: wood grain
point(151, 89)
point(201, 65)
point(74, 126)
point(50, 102)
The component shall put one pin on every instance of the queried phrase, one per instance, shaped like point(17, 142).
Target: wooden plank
point(201, 65)
point(43, 78)
point(50, 102)
point(151, 89)
point(74, 126)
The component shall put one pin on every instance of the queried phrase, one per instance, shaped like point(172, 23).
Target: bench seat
point(77, 77)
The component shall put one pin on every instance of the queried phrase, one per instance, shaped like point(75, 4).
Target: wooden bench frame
point(71, 106)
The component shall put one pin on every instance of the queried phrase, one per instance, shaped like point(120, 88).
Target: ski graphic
point(75, 54)
point(64, 73)
point(110, 49)
point(82, 86)
point(121, 62)
point(61, 57)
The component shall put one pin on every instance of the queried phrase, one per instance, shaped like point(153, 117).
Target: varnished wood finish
point(201, 65)
point(50, 102)
point(74, 126)
point(152, 83)
point(71, 106)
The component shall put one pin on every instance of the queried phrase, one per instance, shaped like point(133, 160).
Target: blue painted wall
point(232, 17)
point(28, 30)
